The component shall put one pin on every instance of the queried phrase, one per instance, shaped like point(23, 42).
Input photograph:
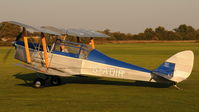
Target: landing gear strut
point(41, 82)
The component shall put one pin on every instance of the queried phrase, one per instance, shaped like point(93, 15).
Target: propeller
point(13, 44)
point(19, 36)
point(7, 54)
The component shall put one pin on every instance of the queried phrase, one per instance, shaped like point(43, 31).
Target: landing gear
point(43, 81)
point(55, 80)
point(39, 83)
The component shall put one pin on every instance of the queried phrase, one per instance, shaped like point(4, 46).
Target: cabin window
point(72, 49)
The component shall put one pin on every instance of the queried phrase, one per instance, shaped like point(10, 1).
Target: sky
point(128, 16)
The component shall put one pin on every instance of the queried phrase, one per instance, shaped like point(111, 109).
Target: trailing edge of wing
point(33, 29)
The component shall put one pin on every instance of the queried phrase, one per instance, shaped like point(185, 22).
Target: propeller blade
point(7, 55)
point(19, 36)
point(13, 44)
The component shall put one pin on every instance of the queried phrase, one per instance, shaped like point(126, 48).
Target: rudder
point(178, 67)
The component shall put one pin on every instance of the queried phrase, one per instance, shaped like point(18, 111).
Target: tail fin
point(178, 67)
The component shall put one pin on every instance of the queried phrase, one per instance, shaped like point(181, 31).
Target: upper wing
point(85, 33)
point(54, 29)
point(33, 29)
point(76, 32)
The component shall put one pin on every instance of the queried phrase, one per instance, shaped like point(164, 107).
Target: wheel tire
point(39, 83)
point(55, 80)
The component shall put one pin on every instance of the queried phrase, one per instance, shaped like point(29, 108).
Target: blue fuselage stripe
point(99, 57)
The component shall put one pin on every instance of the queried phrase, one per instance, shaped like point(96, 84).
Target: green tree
point(161, 33)
point(149, 34)
point(186, 32)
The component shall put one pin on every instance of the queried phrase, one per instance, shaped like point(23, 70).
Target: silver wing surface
point(33, 29)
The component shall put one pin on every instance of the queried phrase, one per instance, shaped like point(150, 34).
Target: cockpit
point(71, 49)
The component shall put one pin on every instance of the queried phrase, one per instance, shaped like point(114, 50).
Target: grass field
point(101, 94)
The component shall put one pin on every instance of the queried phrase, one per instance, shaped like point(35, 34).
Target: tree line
point(182, 32)
point(8, 30)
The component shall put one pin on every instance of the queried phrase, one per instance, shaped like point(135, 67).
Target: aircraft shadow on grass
point(29, 78)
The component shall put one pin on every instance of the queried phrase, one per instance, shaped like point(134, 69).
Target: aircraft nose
point(13, 43)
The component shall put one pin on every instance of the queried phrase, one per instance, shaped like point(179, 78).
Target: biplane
point(63, 58)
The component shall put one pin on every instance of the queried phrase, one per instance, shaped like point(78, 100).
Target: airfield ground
point(102, 94)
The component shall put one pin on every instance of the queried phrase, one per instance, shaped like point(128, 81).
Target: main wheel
point(55, 80)
point(38, 83)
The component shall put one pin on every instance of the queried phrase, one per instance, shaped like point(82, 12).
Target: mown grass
point(102, 94)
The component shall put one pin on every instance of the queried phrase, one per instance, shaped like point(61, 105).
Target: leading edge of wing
point(33, 29)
